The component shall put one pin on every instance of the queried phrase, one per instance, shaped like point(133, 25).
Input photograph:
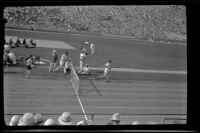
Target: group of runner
point(84, 67)
point(66, 62)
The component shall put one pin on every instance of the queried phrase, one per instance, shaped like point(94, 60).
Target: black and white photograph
point(95, 65)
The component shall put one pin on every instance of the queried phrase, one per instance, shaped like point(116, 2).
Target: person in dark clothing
point(54, 59)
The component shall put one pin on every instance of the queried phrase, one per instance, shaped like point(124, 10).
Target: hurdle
point(75, 83)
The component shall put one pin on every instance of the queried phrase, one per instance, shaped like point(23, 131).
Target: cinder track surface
point(53, 94)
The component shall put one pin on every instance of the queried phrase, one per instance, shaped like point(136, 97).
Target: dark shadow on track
point(95, 88)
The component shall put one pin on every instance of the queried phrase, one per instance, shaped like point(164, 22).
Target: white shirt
point(107, 65)
point(92, 46)
point(6, 47)
point(12, 57)
point(86, 70)
point(68, 64)
point(82, 56)
point(63, 58)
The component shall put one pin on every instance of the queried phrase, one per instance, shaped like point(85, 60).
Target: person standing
point(12, 57)
point(53, 63)
point(64, 58)
point(29, 65)
point(107, 68)
point(6, 48)
point(92, 47)
point(86, 44)
point(82, 59)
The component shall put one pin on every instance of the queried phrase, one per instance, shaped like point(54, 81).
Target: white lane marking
point(135, 70)
point(45, 60)
point(53, 44)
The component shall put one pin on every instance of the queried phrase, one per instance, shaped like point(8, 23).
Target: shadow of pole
point(95, 88)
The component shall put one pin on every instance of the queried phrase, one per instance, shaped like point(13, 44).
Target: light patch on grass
point(54, 44)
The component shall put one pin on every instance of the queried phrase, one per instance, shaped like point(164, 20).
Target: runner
point(92, 47)
point(107, 68)
point(54, 59)
point(29, 65)
point(82, 59)
point(67, 67)
point(64, 58)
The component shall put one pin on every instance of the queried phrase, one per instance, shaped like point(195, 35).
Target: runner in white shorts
point(63, 59)
point(107, 68)
point(82, 59)
point(67, 67)
point(92, 47)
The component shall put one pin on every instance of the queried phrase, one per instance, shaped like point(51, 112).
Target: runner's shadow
point(95, 88)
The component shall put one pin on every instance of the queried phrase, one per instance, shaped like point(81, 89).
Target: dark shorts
point(29, 67)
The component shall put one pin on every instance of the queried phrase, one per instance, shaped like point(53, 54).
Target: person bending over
point(64, 58)
point(85, 70)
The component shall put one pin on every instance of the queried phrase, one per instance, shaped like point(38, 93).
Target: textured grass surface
point(124, 53)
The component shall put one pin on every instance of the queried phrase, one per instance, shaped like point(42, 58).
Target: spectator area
point(45, 43)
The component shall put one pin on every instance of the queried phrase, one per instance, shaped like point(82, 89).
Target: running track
point(52, 94)
point(47, 94)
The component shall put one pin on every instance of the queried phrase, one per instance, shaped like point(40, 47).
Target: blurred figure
point(24, 43)
point(92, 47)
point(18, 42)
point(82, 59)
point(34, 44)
point(14, 120)
point(107, 68)
point(49, 122)
point(29, 65)
point(31, 44)
point(115, 120)
point(26, 120)
point(5, 59)
point(67, 67)
point(54, 59)
point(20, 122)
point(85, 47)
point(85, 70)
point(38, 119)
point(65, 119)
point(135, 123)
point(64, 58)
point(10, 42)
point(31, 41)
point(12, 57)
point(6, 48)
